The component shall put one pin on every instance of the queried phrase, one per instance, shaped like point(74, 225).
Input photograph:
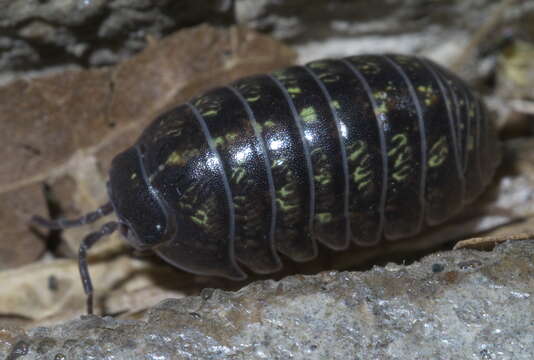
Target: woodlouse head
point(145, 220)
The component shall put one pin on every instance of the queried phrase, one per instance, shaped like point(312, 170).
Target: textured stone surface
point(44, 34)
point(461, 304)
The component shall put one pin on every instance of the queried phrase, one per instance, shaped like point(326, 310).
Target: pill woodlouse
point(355, 150)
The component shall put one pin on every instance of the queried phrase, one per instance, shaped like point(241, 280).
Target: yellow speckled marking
point(402, 154)
point(470, 143)
point(438, 152)
point(423, 89)
point(401, 174)
point(323, 178)
point(294, 90)
point(231, 136)
point(400, 140)
point(471, 112)
point(257, 127)
point(335, 104)
point(238, 175)
point(361, 147)
point(380, 95)
point(133, 176)
point(219, 140)
point(381, 109)
point(402, 158)
point(360, 174)
point(239, 201)
point(174, 132)
point(285, 192)
point(308, 114)
point(208, 105)
point(175, 159)
point(210, 113)
point(318, 152)
point(269, 123)
point(370, 68)
point(324, 218)
point(278, 163)
point(363, 184)
point(318, 65)
point(200, 217)
point(285, 207)
point(428, 93)
point(329, 77)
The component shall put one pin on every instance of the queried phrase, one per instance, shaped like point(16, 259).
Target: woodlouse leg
point(86, 244)
point(88, 218)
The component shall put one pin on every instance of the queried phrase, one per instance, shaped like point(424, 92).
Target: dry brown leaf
point(17, 245)
point(489, 242)
point(45, 289)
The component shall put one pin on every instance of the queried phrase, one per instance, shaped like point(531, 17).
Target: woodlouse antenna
point(86, 244)
point(88, 218)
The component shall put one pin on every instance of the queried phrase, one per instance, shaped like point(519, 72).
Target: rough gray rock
point(44, 34)
point(453, 305)
point(438, 29)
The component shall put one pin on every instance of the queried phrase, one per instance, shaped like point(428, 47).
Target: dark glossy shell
point(337, 151)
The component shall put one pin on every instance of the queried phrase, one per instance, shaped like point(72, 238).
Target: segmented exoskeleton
point(335, 152)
